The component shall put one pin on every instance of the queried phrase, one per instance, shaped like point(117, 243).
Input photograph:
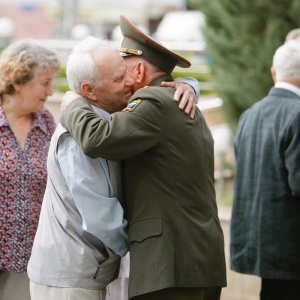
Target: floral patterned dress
point(23, 176)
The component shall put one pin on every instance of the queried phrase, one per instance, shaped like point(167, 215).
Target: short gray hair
point(286, 61)
point(21, 60)
point(80, 67)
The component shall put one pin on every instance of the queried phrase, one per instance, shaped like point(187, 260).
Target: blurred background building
point(71, 20)
point(57, 18)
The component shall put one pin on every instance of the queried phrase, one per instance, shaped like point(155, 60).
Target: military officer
point(176, 240)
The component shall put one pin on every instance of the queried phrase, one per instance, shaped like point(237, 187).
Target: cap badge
point(131, 51)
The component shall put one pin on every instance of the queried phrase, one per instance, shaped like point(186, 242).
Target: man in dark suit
point(176, 240)
point(265, 222)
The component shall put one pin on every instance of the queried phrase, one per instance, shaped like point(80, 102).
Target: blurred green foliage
point(242, 37)
point(60, 83)
point(200, 70)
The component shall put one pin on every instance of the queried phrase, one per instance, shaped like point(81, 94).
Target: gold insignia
point(144, 87)
point(132, 105)
point(131, 51)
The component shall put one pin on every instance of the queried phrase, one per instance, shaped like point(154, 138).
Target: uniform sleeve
point(124, 135)
point(88, 182)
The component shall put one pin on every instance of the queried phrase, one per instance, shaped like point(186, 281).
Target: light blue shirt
point(193, 83)
point(89, 183)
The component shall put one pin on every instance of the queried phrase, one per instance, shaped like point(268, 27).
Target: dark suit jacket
point(174, 230)
point(265, 221)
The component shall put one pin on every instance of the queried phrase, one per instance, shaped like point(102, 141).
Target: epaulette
point(144, 87)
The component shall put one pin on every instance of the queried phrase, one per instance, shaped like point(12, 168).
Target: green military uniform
point(175, 235)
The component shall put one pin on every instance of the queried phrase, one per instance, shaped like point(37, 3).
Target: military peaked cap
point(136, 42)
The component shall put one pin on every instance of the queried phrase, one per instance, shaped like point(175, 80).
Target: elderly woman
point(26, 127)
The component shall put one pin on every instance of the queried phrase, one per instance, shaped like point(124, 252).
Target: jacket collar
point(288, 86)
point(157, 81)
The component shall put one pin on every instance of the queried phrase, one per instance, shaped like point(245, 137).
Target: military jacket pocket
point(143, 229)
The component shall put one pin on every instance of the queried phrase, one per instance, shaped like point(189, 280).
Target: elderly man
point(82, 232)
point(176, 240)
point(265, 220)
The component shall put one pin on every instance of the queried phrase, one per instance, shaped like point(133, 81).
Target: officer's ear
point(140, 68)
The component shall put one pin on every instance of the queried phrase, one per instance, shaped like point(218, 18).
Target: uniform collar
point(157, 81)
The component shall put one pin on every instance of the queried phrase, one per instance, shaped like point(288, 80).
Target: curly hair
point(19, 62)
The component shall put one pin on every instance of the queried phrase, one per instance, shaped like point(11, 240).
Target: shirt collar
point(101, 112)
point(39, 122)
point(288, 86)
point(3, 121)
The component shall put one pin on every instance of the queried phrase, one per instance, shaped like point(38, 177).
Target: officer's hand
point(67, 99)
point(185, 95)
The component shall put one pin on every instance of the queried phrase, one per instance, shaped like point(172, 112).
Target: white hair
point(293, 35)
point(80, 67)
point(286, 61)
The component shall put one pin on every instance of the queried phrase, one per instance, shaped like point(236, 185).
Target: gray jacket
point(64, 255)
point(265, 221)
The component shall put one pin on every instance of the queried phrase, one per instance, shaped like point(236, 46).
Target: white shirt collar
point(288, 86)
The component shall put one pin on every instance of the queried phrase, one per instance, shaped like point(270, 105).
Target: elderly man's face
point(115, 84)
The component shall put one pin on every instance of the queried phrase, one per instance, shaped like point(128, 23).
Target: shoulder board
point(132, 105)
point(147, 87)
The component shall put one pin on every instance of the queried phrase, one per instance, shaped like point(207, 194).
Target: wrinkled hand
point(185, 95)
point(67, 99)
